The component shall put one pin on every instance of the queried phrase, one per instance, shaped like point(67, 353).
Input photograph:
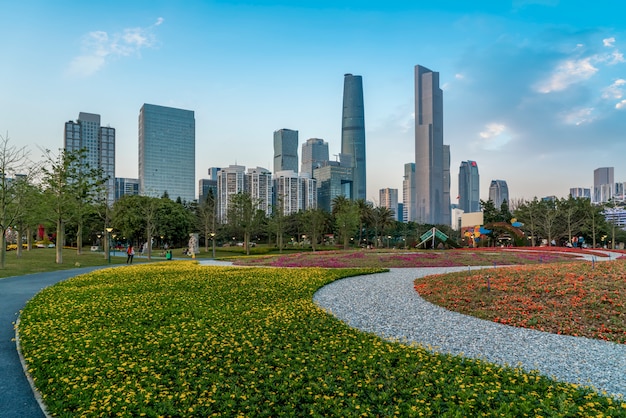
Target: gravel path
point(386, 304)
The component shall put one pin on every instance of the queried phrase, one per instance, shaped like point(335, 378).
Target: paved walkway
point(16, 396)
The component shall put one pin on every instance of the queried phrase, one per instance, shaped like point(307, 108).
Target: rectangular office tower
point(99, 145)
point(314, 155)
point(285, 150)
point(432, 158)
point(603, 184)
point(167, 152)
point(469, 187)
point(353, 132)
point(499, 192)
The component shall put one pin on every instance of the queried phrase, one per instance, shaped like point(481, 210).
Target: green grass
point(177, 339)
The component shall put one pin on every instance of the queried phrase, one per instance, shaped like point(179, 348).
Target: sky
point(534, 90)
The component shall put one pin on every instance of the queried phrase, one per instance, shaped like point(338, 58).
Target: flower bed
point(405, 259)
point(581, 299)
point(177, 339)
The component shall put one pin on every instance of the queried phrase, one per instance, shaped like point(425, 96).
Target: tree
point(276, 223)
point(242, 216)
point(206, 214)
point(365, 216)
point(382, 218)
point(13, 162)
point(346, 215)
point(528, 214)
point(315, 223)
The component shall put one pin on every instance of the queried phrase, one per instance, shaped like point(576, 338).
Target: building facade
point(258, 183)
point(167, 152)
point(388, 198)
point(498, 192)
point(126, 187)
point(603, 184)
point(580, 192)
point(469, 187)
point(353, 132)
point(409, 206)
point(333, 179)
point(230, 181)
point(98, 142)
point(314, 155)
point(432, 189)
point(206, 186)
point(285, 150)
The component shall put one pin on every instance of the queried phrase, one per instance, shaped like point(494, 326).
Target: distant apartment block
point(231, 180)
point(98, 141)
point(258, 183)
point(580, 193)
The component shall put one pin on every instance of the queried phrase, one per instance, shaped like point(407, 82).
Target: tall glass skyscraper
point(167, 152)
point(469, 187)
point(314, 155)
point(499, 192)
point(353, 131)
point(285, 150)
point(432, 157)
point(98, 143)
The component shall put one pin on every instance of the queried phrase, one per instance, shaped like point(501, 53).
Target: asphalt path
point(16, 396)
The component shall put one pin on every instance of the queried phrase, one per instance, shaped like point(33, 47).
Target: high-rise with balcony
point(388, 198)
point(230, 181)
point(314, 155)
point(98, 142)
point(432, 157)
point(167, 152)
point(353, 132)
point(469, 187)
point(498, 192)
point(285, 150)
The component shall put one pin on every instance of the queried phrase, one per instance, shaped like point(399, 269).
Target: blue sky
point(534, 90)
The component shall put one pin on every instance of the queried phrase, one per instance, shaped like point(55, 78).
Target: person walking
point(130, 253)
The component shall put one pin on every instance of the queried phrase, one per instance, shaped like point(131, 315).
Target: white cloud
point(459, 76)
point(615, 90)
point(494, 136)
point(621, 105)
point(567, 73)
point(579, 116)
point(608, 42)
point(99, 48)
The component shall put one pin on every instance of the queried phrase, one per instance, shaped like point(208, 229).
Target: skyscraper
point(603, 184)
point(285, 150)
point(314, 155)
point(388, 198)
point(498, 192)
point(258, 184)
point(167, 152)
point(408, 193)
point(230, 181)
point(99, 144)
point(469, 187)
point(353, 131)
point(431, 156)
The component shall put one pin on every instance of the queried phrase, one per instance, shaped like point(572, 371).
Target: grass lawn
point(178, 339)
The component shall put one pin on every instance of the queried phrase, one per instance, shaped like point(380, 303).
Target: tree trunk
point(79, 239)
point(59, 242)
point(18, 250)
point(3, 250)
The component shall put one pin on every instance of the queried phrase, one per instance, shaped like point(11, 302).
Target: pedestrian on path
point(130, 252)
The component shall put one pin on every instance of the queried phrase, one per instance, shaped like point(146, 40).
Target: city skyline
point(534, 89)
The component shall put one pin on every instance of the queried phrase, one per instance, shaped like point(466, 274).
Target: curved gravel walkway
point(386, 304)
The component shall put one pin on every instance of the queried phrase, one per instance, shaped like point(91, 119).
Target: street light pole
point(213, 239)
point(108, 238)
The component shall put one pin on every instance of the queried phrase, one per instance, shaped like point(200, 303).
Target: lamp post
point(213, 242)
point(115, 243)
point(108, 244)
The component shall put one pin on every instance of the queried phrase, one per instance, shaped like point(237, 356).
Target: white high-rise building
point(258, 183)
point(99, 144)
point(230, 181)
point(388, 198)
point(408, 193)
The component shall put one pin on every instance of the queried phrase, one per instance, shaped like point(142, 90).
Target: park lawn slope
point(178, 339)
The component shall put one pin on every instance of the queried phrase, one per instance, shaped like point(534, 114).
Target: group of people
point(130, 254)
